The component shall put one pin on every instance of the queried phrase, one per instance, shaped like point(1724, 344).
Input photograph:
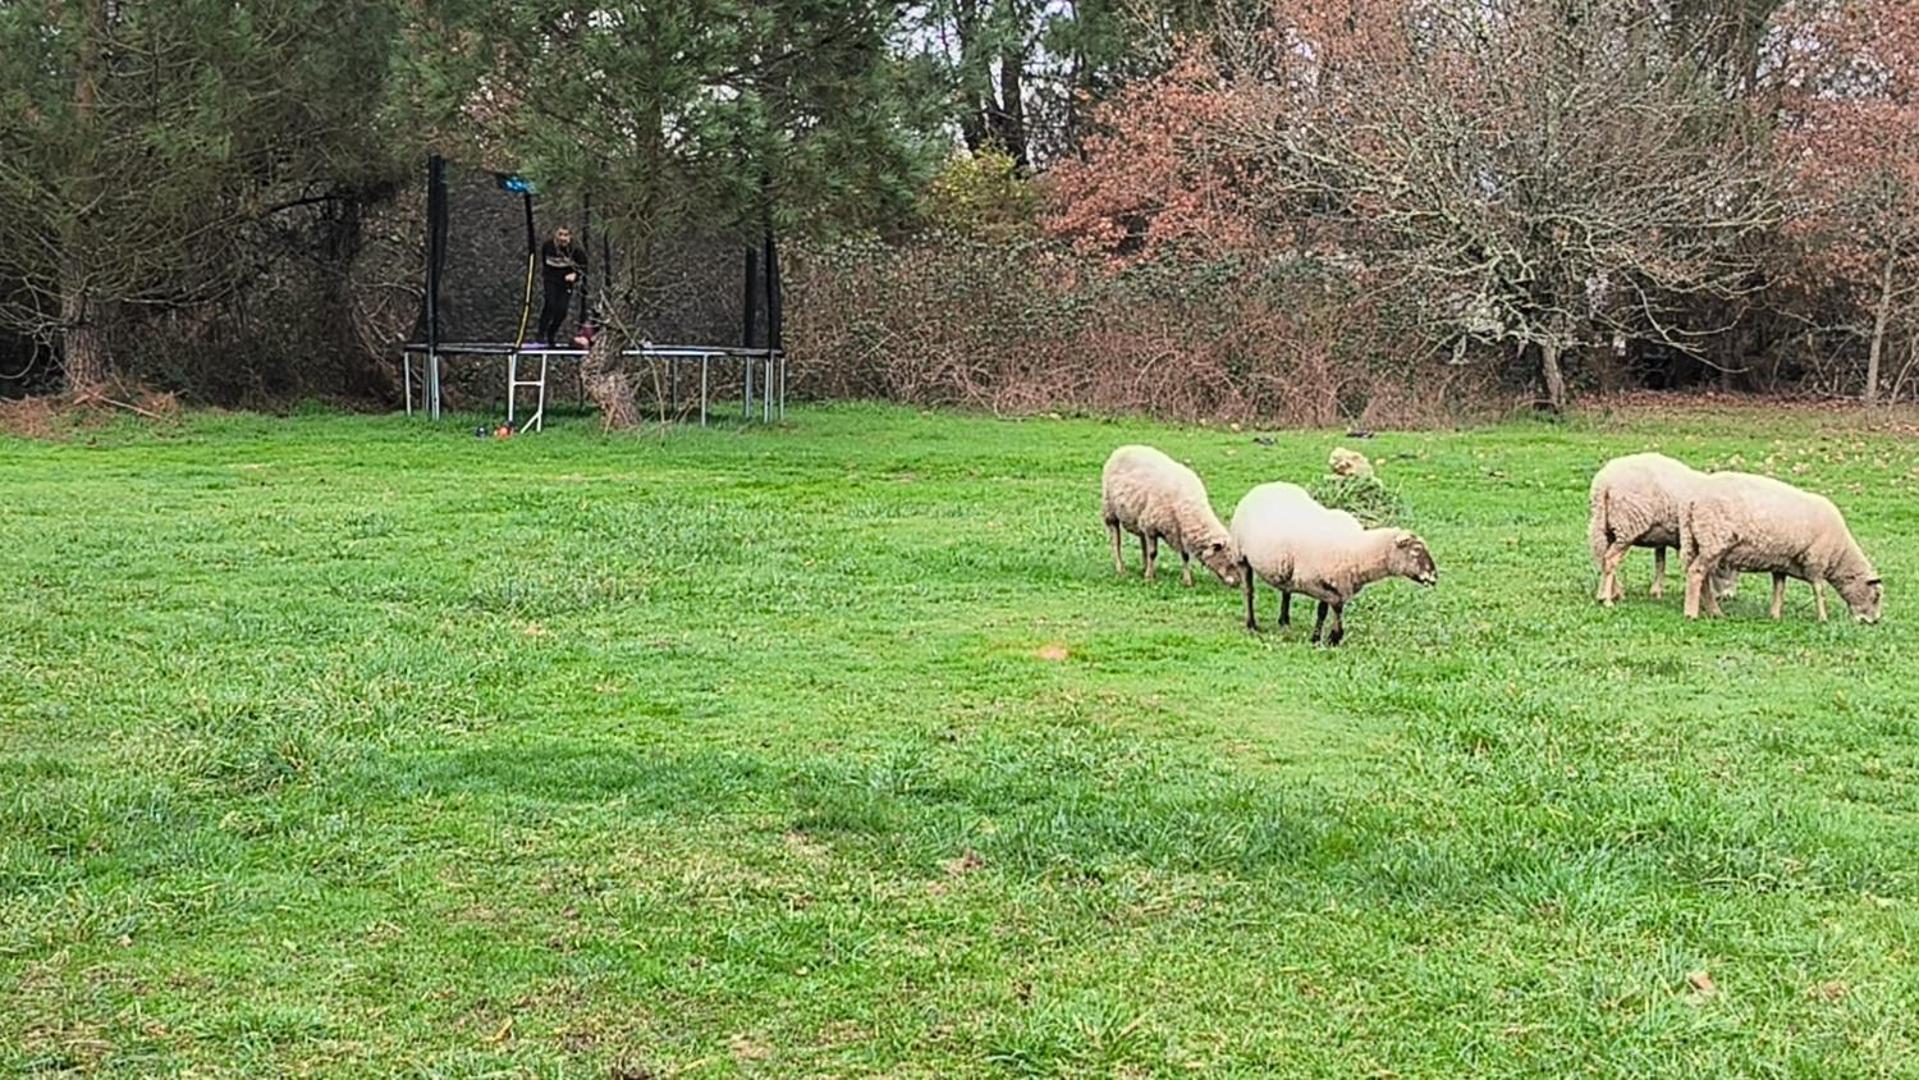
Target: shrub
point(1031, 325)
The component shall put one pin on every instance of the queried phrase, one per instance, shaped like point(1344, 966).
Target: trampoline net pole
point(435, 267)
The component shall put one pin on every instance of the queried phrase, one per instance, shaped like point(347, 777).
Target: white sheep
point(1739, 521)
point(1156, 498)
point(1286, 537)
point(1636, 501)
point(1344, 462)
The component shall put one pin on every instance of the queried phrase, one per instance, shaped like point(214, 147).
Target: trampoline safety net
point(705, 286)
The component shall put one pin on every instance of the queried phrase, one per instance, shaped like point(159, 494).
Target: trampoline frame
point(768, 364)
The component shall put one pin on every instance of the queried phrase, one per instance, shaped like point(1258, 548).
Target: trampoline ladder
point(537, 421)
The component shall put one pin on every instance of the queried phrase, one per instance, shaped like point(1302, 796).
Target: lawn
point(343, 746)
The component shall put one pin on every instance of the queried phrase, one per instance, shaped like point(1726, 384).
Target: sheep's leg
point(1285, 608)
point(1246, 575)
point(1319, 624)
point(1819, 596)
point(1338, 633)
point(1119, 563)
point(1148, 551)
point(1695, 584)
point(1658, 573)
point(1609, 588)
point(1186, 568)
point(1778, 595)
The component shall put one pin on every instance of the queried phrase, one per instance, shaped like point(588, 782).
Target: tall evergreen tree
point(723, 113)
point(137, 141)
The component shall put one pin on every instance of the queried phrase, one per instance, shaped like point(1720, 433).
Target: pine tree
point(723, 113)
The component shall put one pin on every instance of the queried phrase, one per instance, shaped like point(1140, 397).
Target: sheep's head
point(1725, 583)
point(1410, 559)
point(1863, 594)
point(1222, 558)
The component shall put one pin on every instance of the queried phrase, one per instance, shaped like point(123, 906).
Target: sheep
point(1286, 537)
point(1156, 498)
point(1636, 501)
point(1344, 462)
point(1739, 521)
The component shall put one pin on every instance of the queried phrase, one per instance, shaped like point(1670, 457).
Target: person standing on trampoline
point(562, 264)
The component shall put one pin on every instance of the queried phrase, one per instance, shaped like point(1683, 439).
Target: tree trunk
point(1912, 357)
point(83, 350)
point(1552, 375)
point(607, 384)
point(976, 97)
point(1880, 318)
point(603, 371)
point(341, 238)
point(1010, 116)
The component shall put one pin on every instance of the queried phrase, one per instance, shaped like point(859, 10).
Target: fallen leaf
point(1703, 983)
point(1829, 991)
point(746, 1049)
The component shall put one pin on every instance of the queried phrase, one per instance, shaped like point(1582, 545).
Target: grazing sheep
point(1346, 462)
point(1286, 537)
point(1739, 521)
point(1156, 498)
point(1636, 502)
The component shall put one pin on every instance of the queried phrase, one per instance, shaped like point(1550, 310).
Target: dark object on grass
point(1359, 433)
point(1262, 440)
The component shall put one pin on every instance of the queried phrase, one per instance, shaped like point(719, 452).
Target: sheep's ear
point(1406, 540)
point(1875, 581)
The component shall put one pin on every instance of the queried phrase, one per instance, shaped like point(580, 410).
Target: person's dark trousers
point(553, 313)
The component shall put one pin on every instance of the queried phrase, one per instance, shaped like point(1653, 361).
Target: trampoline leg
point(704, 360)
point(746, 377)
point(406, 379)
point(512, 384)
point(782, 386)
point(539, 417)
point(766, 391)
point(433, 385)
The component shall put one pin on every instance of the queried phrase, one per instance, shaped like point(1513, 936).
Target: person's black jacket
point(556, 262)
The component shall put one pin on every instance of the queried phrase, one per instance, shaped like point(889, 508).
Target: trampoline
point(767, 367)
point(482, 261)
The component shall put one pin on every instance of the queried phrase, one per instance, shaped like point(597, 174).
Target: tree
point(1158, 174)
point(725, 113)
point(1540, 177)
point(1851, 79)
point(1022, 76)
point(138, 140)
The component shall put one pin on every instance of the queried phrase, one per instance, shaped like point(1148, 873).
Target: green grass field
point(349, 746)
